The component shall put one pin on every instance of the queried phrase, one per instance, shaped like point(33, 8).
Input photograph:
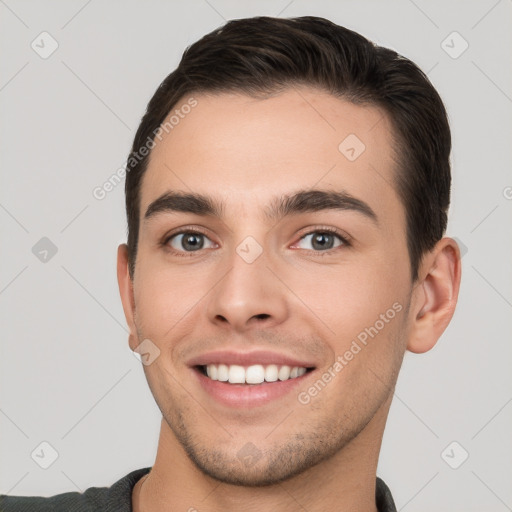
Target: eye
point(323, 240)
point(188, 241)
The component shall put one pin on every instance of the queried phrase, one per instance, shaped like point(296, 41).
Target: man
point(287, 196)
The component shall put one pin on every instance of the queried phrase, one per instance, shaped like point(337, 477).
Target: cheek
point(362, 308)
point(349, 298)
point(164, 298)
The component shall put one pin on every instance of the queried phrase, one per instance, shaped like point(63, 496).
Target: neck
point(345, 482)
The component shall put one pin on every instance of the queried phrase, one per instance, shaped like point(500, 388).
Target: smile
point(254, 374)
point(239, 378)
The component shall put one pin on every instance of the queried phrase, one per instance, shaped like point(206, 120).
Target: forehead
point(244, 150)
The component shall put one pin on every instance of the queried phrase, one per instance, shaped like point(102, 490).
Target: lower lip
point(247, 395)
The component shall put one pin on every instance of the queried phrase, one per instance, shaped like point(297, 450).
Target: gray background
point(67, 374)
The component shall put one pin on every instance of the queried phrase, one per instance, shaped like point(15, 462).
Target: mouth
point(239, 379)
point(253, 375)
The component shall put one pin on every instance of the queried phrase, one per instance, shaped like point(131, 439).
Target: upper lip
point(244, 358)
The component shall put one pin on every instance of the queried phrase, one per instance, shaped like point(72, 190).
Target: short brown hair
point(263, 55)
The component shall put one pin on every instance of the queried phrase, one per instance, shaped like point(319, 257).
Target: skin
point(322, 455)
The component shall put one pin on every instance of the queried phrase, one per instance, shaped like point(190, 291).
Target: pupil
point(192, 242)
point(320, 241)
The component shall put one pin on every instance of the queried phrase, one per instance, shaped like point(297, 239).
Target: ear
point(126, 291)
point(435, 295)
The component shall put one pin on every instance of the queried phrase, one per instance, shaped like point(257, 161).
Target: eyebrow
point(303, 201)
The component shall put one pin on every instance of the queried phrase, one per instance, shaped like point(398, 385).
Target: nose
point(248, 295)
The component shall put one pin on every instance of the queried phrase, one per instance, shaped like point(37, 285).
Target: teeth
point(284, 373)
point(271, 373)
point(255, 374)
point(212, 372)
point(222, 372)
point(236, 374)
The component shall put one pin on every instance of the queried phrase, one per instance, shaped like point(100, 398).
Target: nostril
point(262, 316)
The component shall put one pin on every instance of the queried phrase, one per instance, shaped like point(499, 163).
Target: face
point(294, 286)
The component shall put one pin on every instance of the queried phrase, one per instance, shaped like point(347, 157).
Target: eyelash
point(195, 231)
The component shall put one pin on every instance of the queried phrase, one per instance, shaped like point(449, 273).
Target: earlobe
point(126, 291)
point(435, 296)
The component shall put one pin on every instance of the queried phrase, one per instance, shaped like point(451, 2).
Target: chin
point(251, 467)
